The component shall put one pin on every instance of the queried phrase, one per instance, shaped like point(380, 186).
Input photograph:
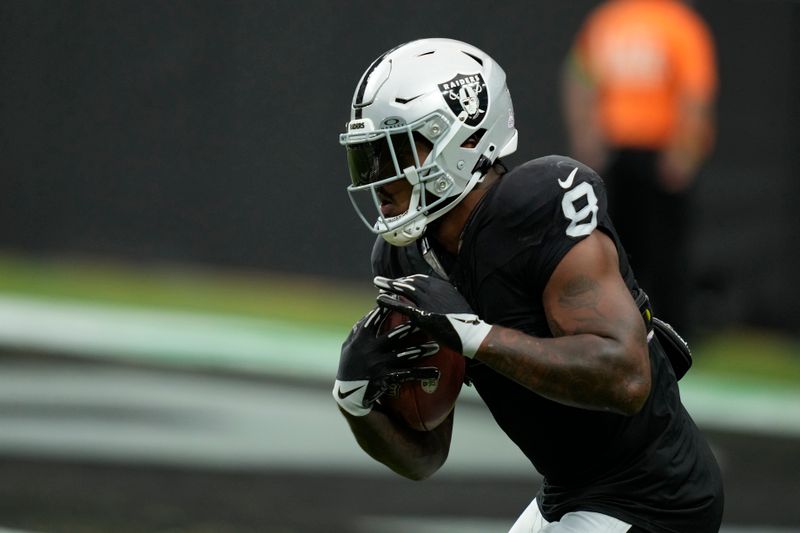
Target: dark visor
point(372, 161)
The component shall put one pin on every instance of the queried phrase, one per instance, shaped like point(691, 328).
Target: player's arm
point(691, 143)
point(371, 361)
point(599, 357)
point(579, 96)
point(696, 83)
point(413, 454)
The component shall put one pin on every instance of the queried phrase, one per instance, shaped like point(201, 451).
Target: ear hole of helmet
point(424, 143)
point(474, 139)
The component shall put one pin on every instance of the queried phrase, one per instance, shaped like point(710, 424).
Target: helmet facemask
point(379, 157)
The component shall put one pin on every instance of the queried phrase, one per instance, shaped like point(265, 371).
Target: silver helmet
point(437, 91)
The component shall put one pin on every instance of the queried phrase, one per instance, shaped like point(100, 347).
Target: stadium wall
point(206, 132)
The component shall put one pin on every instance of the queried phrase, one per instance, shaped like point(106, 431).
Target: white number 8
point(577, 227)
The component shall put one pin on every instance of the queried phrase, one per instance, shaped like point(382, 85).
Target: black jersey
point(652, 469)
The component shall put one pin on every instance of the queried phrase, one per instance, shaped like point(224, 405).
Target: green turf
point(750, 355)
point(250, 294)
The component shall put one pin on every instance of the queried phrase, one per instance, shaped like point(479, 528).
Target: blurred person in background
point(639, 90)
point(522, 273)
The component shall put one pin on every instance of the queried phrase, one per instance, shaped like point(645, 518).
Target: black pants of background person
point(653, 226)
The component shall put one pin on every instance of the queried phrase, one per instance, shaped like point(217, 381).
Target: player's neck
point(451, 226)
point(448, 231)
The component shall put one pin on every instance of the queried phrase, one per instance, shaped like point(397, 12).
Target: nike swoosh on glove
point(372, 361)
point(437, 308)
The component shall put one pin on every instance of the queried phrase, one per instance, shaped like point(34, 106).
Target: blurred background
point(179, 263)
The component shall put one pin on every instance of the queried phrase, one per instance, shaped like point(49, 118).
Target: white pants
point(532, 521)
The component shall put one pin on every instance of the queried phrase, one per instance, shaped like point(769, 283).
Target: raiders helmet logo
point(466, 96)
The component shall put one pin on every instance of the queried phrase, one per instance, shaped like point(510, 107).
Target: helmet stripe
point(358, 101)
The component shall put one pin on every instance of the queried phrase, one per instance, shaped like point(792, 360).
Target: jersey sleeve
point(565, 203)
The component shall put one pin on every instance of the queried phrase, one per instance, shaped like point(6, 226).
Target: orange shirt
point(643, 57)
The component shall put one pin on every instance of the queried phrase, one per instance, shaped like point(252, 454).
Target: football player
point(522, 272)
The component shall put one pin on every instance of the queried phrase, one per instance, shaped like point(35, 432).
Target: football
point(423, 405)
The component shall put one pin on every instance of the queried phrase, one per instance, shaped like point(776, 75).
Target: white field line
point(187, 338)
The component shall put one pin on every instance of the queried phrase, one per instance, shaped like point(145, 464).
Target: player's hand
point(437, 308)
point(372, 361)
